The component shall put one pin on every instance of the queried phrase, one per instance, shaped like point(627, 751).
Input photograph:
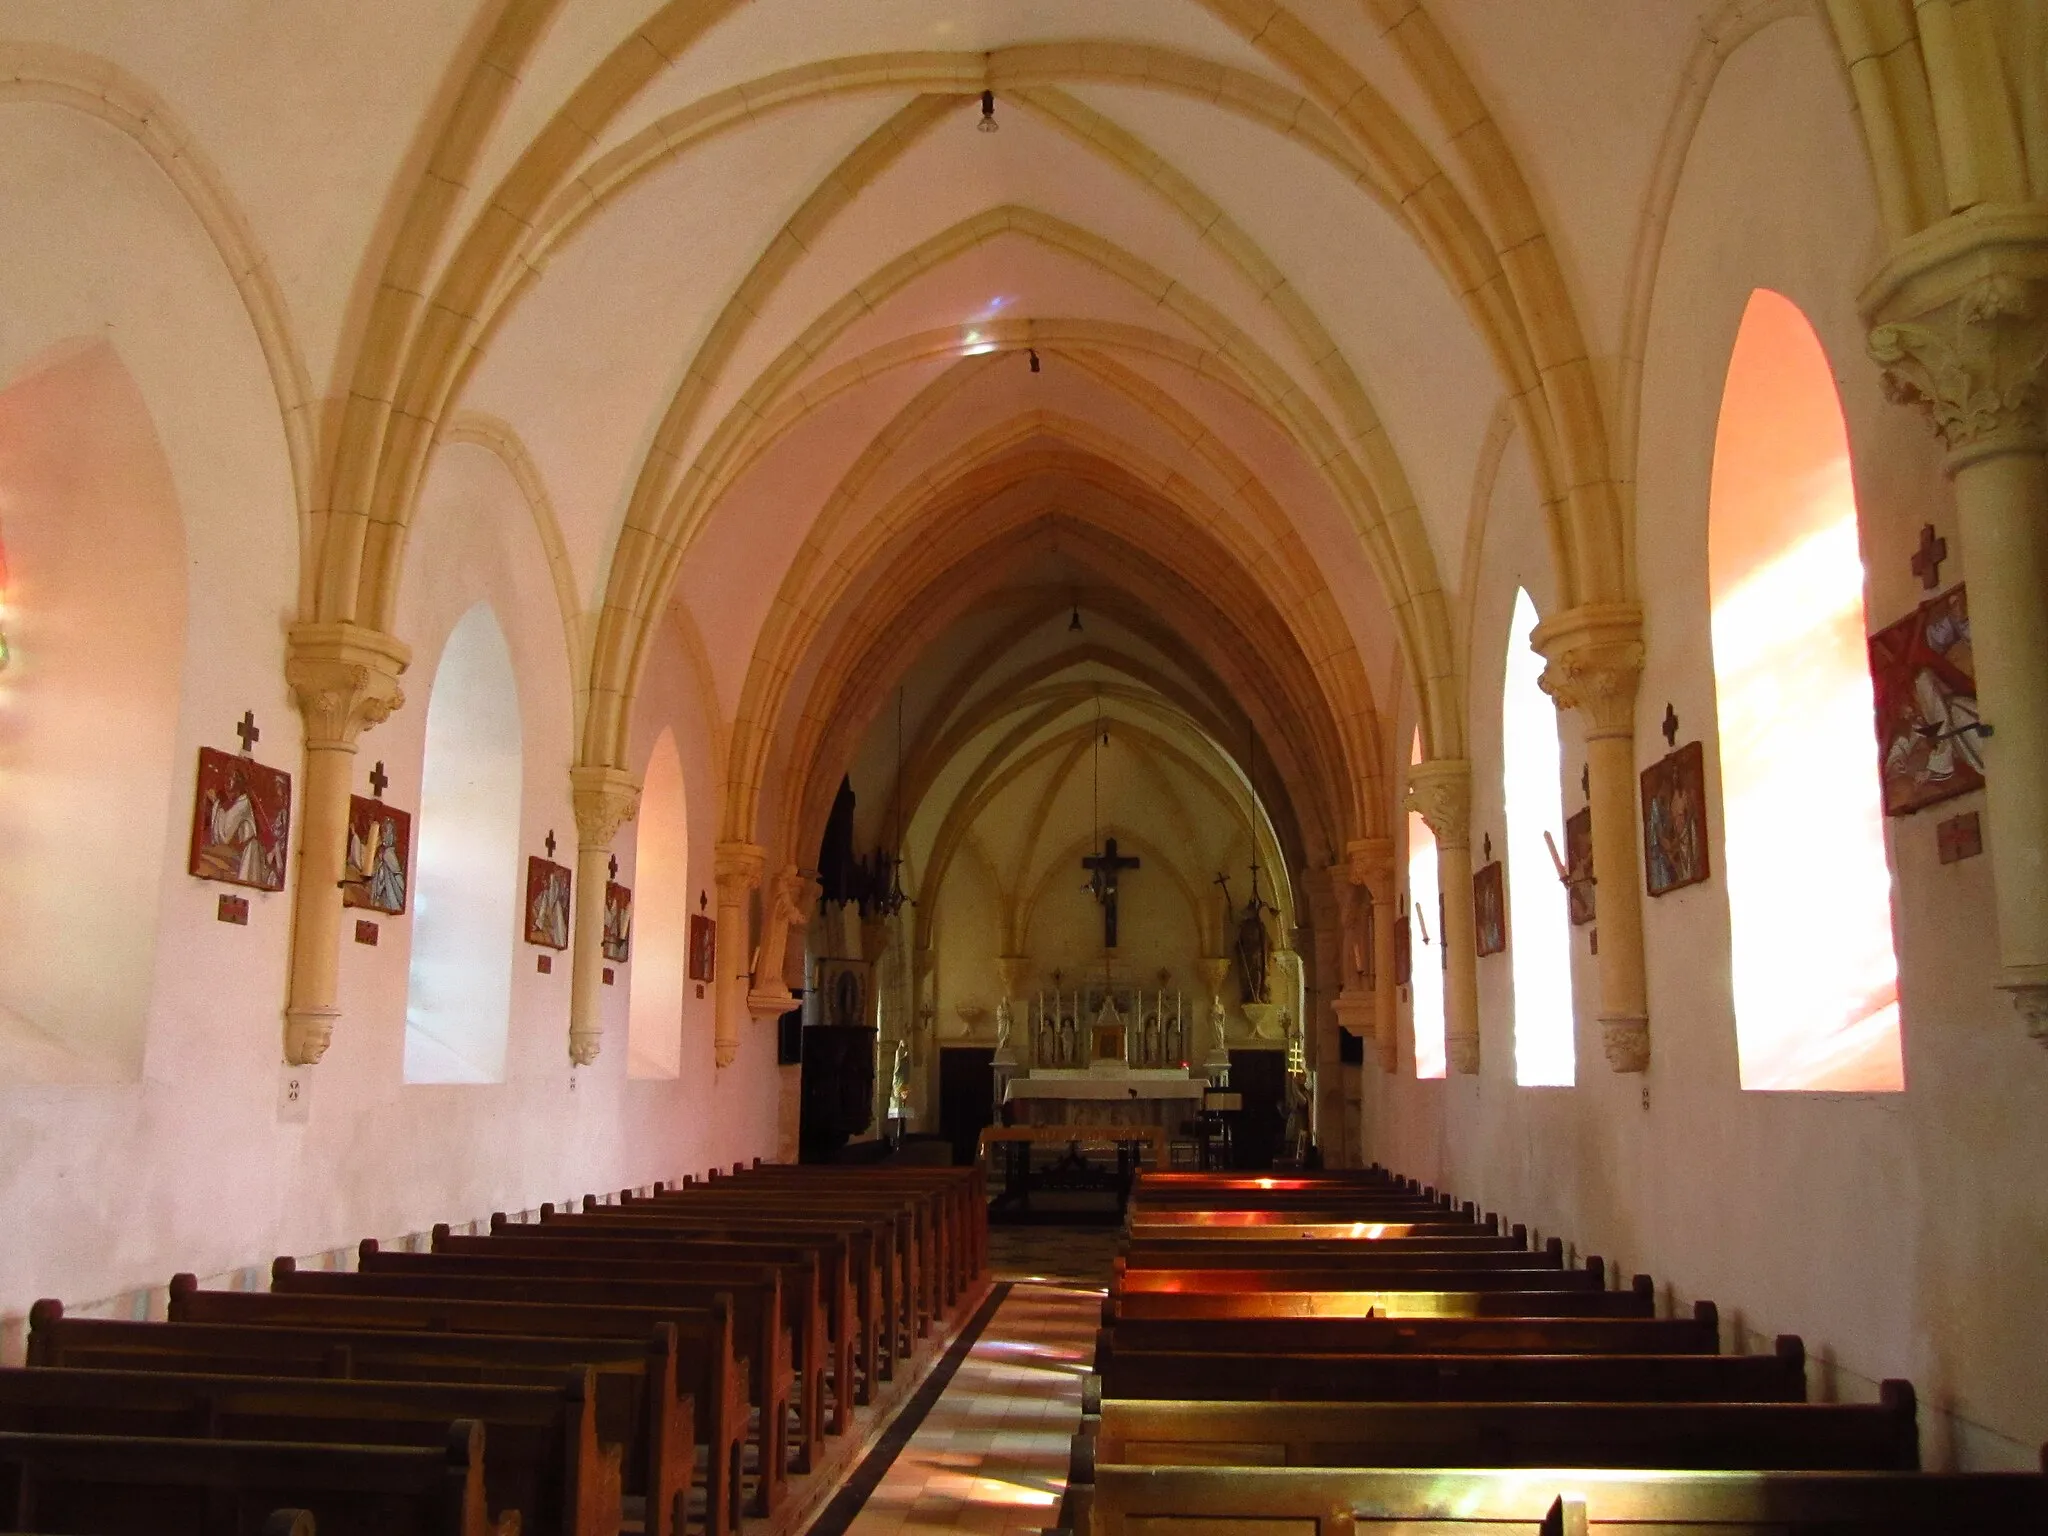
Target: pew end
point(438, 1238)
point(1567, 1516)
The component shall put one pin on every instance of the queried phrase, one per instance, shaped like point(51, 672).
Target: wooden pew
point(1779, 1377)
point(1193, 1306)
point(1698, 1334)
point(754, 1292)
point(962, 1192)
point(1875, 1437)
point(803, 1317)
point(819, 1262)
point(637, 1406)
point(872, 1245)
point(1304, 1501)
point(710, 1366)
point(905, 1252)
point(545, 1462)
point(1364, 1274)
point(108, 1485)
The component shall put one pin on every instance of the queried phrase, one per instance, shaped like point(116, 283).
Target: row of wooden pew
point(671, 1361)
point(1340, 1353)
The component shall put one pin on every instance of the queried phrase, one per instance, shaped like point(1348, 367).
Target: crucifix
point(1670, 727)
point(1103, 869)
point(615, 866)
point(1927, 562)
point(379, 780)
point(248, 732)
point(551, 842)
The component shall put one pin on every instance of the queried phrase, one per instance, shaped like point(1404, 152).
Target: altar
point(1093, 1096)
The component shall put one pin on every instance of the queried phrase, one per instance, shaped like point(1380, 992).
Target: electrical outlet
point(295, 1096)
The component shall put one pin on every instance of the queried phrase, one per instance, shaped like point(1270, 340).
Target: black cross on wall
point(1927, 560)
point(379, 780)
point(1670, 726)
point(615, 866)
point(551, 842)
point(248, 732)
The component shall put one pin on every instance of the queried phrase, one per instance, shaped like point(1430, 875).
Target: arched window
point(90, 771)
point(1426, 948)
point(661, 918)
point(458, 1004)
point(1539, 927)
point(1809, 892)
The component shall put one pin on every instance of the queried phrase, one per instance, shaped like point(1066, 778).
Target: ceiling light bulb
point(1074, 624)
point(988, 112)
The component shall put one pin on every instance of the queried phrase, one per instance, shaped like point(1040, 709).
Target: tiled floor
point(991, 1457)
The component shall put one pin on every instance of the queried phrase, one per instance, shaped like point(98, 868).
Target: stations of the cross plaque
point(1104, 868)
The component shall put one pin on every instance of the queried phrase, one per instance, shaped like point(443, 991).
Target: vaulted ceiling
point(1218, 326)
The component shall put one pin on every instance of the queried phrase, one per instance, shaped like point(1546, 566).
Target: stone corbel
point(737, 868)
point(1440, 792)
point(344, 679)
point(795, 897)
point(604, 800)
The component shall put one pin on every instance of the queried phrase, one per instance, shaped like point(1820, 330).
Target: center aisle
point(991, 1456)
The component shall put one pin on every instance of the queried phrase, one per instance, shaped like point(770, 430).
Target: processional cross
point(1103, 869)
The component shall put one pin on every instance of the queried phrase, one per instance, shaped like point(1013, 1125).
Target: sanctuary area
point(838, 738)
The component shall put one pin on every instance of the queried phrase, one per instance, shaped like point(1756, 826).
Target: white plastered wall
point(193, 1167)
point(1900, 1235)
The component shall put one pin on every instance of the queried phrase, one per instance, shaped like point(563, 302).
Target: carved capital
point(737, 869)
point(1014, 971)
point(605, 799)
point(1462, 1052)
point(307, 1034)
point(1440, 792)
point(584, 1046)
point(1595, 659)
point(1975, 365)
point(1371, 861)
point(344, 678)
point(1627, 1042)
point(1959, 325)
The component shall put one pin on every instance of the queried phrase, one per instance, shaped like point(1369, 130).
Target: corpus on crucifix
point(1103, 869)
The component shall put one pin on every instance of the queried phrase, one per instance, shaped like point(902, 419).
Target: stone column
point(1372, 866)
point(1440, 791)
point(344, 679)
point(1595, 657)
point(605, 799)
point(1960, 327)
point(1215, 973)
point(737, 869)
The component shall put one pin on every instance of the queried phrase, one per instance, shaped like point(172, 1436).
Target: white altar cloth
point(1088, 1085)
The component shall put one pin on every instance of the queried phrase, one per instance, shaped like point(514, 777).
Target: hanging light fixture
point(1032, 352)
point(1074, 624)
point(988, 122)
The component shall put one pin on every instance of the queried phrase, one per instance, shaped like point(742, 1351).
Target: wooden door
point(967, 1097)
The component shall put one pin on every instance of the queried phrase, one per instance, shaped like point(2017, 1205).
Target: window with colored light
point(661, 918)
point(1809, 888)
point(1426, 950)
point(458, 1002)
point(1539, 926)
